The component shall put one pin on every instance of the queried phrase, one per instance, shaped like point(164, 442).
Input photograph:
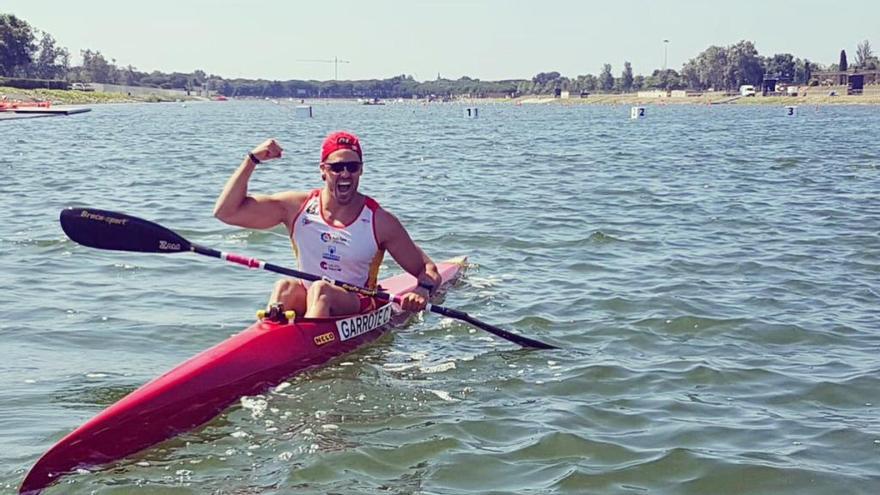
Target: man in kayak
point(335, 231)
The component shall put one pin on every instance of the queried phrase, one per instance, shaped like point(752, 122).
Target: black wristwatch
point(253, 158)
point(427, 286)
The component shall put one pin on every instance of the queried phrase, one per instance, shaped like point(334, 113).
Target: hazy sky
point(485, 39)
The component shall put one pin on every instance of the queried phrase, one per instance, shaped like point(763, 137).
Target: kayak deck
point(197, 390)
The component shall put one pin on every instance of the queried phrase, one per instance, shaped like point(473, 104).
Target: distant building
point(768, 85)
point(855, 80)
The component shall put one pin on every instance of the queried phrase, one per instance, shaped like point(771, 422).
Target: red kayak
point(196, 391)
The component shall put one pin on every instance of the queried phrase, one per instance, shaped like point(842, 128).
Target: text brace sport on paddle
point(104, 229)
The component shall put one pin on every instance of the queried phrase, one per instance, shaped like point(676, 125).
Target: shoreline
point(69, 97)
point(635, 100)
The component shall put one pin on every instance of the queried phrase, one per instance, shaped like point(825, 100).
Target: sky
point(483, 39)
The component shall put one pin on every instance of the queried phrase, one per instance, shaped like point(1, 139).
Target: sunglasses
point(338, 167)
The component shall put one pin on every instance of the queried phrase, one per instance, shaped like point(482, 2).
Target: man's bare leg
point(325, 299)
point(291, 294)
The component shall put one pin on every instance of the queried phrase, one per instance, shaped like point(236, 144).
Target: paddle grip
point(242, 260)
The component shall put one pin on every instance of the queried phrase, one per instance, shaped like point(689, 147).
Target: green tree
point(95, 68)
point(803, 71)
point(590, 82)
point(664, 79)
point(626, 78)
point(638, 82)
point(129, 76)
point(865, 58)
point(17, 46)
point(842, 67)
point(782, 65)
point(545, 77)
point(52, 61)
point(691, 75)
point(199, 77)
point(744, 66)
point(710, 66)
point(524, 87)
point(606, 80)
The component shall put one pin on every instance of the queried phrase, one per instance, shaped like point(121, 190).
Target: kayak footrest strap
point(275, 312)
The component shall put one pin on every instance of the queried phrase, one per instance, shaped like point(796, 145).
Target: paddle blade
point(104, 229)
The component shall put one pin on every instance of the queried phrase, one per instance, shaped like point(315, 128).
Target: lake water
point(712, 275)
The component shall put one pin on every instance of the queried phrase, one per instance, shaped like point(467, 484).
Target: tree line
point(26, 52)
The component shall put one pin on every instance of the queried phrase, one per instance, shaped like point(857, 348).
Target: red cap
point(340, 140)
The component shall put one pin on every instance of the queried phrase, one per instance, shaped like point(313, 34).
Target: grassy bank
point(62, 97)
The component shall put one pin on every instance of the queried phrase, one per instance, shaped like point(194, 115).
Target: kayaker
point(335, 231)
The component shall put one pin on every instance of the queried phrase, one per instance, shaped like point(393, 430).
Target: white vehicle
point(747, 90)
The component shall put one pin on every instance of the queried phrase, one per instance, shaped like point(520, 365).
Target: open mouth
point(344, 186)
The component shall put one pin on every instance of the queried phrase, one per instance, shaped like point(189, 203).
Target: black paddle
point(120, 232)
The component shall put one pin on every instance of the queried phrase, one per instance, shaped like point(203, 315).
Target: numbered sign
point(637, 112)
point(471, 112)
point(791, 111)
point(303, 112)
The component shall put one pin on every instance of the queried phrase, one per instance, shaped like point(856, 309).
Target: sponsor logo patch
point(330, 267)
point(356, 326)
point(335, 238)
point(325, 338)
point(331, 254)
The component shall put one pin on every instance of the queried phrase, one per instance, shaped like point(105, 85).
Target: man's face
point(342, 170)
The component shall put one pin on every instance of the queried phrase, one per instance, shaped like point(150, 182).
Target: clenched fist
point(268, 150)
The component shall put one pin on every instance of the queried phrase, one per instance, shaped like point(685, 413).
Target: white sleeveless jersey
point(348, 254)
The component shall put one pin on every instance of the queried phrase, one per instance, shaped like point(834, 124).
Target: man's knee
point(286, 287)
point(320, 288)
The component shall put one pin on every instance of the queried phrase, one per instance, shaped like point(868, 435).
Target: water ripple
point(714, 292)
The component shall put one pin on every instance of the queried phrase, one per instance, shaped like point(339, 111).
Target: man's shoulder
point(371, 203)
point(379, 213)
point(386, 223)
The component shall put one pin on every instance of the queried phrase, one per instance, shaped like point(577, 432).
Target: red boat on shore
point(6, 105)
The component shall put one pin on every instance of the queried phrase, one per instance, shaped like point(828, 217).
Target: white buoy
point(791, 111)
point(637, 112)
point(471, 112)
point(303, 111)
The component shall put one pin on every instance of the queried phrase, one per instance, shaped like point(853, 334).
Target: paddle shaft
point(290, 272)
point(385, 296)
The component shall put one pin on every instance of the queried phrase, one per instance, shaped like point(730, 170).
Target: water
point(711, 273)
